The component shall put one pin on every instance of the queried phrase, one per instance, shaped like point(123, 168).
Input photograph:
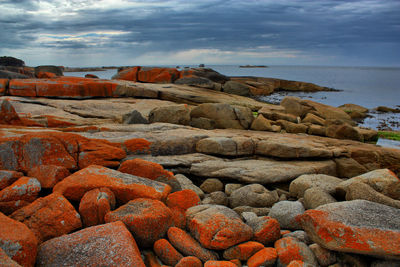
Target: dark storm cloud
point(311, 28)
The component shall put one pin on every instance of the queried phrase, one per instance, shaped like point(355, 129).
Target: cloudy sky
point(126, 32)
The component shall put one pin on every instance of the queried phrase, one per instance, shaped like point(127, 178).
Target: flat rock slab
point(357, 226)
point(263, 171)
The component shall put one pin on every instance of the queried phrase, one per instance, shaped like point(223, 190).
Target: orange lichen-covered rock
point(25, 188)
point(125, 186)
point(189, 261)
point(147, 219)
point(137, 146)
point(166, 252)
point(144, 168)
point(150, 259)
point(8, 207)
point(183, 199)
point(8, 177)
point(243, 251)
point(22, 87)
point(219, 264)
point(266, 229)
point(3, 86)
point(46, 75)
point(18, 241)
point(48, 175)
point(103, 245)
point(178, 217)
point(30, 150)
point(290, 249)
point(216, 226)
point(49, 217)
point(8, 115)
point(158, 75)
point(130, 74)
point(5, 260)
point(183, 242)
point(264, 257)
point(297, 263)
point(357, 226)
point(95, 204)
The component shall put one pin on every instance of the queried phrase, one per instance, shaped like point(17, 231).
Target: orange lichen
point(264, 257)
point(166, 252)
point(288, 250)
point(95, 204)
point(144, 168)
point(219, 264)
point(243, 251)
point(269, 232)
point(189, 261)
point(183, 199)
point(137, 146)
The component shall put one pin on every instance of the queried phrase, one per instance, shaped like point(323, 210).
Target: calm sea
point(366, 86)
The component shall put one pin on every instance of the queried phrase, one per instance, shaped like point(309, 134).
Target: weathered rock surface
point(125, 186)
point(217, 227)
point(357, 226)
point(324, 182)
point(254, 195)
point(106, 245)
point(290, 249)
point(286, 212)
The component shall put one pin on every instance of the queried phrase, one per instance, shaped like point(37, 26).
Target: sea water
point(366, 86)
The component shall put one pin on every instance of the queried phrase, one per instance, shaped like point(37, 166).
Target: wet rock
point(315, 197)
point(147, 219)
point(166, 252)
point(176, 114)
point(125, 186)
point(290, 249)
point(106, 245)
point(217, 227)
point(285, 212)
point(254, 195)
point(324, 182)
point(243, 251)
point(49, 217)
point(18, 241)
point(266, 230)
point(325, 257)
point(264, 257)
point(95, 204)
point(369, 228)
point(48, 175)
point(211, 185)
point(188, 246)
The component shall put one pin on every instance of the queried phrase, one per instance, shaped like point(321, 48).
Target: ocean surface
point(366, 86)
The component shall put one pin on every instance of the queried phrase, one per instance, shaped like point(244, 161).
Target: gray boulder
point(211, 185)
point(285, 212)
point(315, 197)
point(253, 195)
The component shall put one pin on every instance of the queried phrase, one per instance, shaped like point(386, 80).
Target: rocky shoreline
point(181, 168)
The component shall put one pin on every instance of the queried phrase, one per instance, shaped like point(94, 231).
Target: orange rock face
point(267, 232)
point(8, 115)
point(48, 175)
point(125, 186)
point(25, 188)
point(243, 251)
point(95, 204)
point(103, 245)
point(158, 75)
point(130, 74)
point(166, 252)
point(188, 246)
point(137, 146)
point(264, 257)
point(147, 219)
point(49, 217)
point(46, 75)
point(219, 264)
point(18, 241)
point(8, 177)
point(3, 86)
point(217, 227)
point(144, 168)
point(189, 261)
point(183, 199)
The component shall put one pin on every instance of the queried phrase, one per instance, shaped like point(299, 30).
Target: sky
point(174, 32)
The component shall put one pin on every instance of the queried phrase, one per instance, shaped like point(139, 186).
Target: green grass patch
point(255, 114)
point(390, 135)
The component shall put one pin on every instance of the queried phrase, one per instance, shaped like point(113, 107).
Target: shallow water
point(366, 86)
